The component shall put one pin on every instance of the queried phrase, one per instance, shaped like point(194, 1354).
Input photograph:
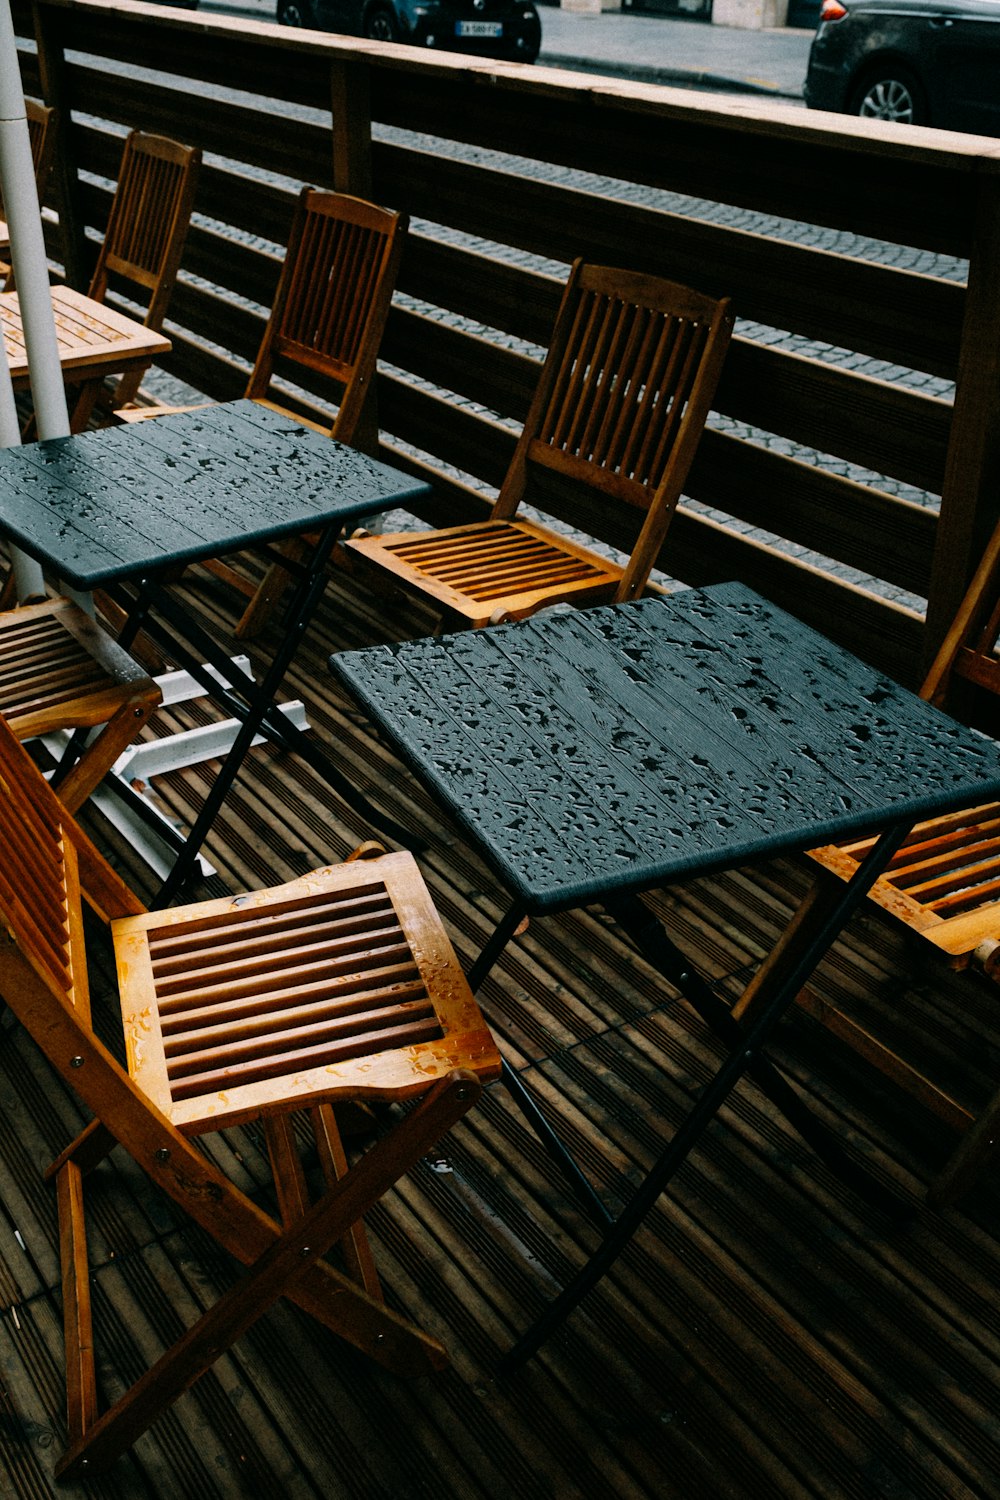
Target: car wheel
point(381, 25)
point(891, 93)
point(295, 13)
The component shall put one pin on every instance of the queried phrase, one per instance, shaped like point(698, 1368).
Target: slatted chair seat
point(944, 883)
point(339, 987)
point(463, 567)
point(60, 670)
point(621, 403)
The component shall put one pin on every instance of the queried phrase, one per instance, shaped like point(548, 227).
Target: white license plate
point(479, 28)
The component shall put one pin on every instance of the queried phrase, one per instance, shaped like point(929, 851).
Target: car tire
point(380, 24)
point(295, 13)
point(890, 92)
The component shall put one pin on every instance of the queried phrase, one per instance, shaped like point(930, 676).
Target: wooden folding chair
point(623, 397)
point(60, 670)
point(144, 241)
point(944, 883)
point(41, 135)
point(339, 986)
point(327, 319)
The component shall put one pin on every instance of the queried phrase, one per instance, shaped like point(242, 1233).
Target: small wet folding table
point(595, 754)
point(93, 341)
point(122, 509)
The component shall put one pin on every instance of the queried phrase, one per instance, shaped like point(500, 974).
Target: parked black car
point(920, 62)
point(506, 29)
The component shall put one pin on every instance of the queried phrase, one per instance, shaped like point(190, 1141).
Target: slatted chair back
point(971, 649)
point(40, 901)
point(620, 406)
point(327, 319)
point(59, 671)
point(340, 986)
point(332, 301)
point(42, 120)
point(147, 227)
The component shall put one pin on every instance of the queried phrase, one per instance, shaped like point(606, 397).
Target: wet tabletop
point(612, 749)
point(127, 500)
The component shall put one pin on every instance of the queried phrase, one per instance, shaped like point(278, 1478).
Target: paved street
point(656, 49)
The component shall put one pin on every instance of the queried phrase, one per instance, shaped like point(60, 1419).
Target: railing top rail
point(775, 119)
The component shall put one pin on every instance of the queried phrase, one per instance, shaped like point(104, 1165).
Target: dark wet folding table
point(123, 509)
point(595, 754)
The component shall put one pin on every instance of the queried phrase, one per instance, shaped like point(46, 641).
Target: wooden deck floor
point(765, 1335)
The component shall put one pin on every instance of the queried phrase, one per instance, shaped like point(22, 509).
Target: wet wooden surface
point(765, 1334)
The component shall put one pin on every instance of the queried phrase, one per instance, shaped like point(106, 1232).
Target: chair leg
point(333, 1159)
point(293, 1193)
point(267, 598)
point(93, 765)
point(81, 1379)
point(277, 1272)
point(968, 1159)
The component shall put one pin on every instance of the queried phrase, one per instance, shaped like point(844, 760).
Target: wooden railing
point(457, 374)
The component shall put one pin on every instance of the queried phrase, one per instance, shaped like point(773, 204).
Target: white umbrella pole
point(27, 248)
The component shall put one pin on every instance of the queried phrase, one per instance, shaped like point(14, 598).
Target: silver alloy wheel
point(888, 99)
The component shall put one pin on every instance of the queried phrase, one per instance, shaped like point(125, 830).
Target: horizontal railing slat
point(903, 317)
point(700, 149)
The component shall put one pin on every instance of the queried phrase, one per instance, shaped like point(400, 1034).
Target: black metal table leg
point(250, 702)
point(518, 1089)
point(744, 1057)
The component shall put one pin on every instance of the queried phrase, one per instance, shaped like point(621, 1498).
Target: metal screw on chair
point(162, 1154)
point(76, 1062)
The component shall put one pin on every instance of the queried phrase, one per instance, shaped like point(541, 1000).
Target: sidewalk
point(689, 54)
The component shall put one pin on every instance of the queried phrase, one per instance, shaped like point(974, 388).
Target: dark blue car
point(920, 62)
point(506, 29)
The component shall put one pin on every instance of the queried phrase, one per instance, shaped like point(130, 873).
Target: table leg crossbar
point(248, 701)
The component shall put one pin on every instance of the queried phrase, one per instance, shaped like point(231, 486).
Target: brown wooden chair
point(327, 320)
point(142, 246)
point(623, 397)
point(42, 137)
point(336, 987)
point(60, 670)
point(944, 883)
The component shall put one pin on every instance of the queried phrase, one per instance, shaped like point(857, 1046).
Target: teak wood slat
point(623, 397)
point(189, 1003)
